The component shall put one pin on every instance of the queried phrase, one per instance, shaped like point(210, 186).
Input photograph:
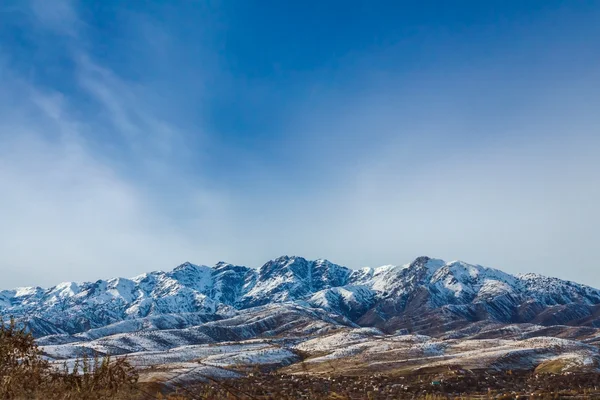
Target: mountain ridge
point(425, 295)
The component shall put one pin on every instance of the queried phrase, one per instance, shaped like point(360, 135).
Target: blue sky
point(138, 135)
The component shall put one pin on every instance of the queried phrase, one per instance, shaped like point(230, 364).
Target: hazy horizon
point(136, 136)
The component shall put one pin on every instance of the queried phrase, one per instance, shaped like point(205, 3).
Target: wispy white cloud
point(72, 210)
point(61, 208)
point(123, 104)
point(67, 214)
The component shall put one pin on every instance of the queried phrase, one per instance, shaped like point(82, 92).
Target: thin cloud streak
point(72, 209)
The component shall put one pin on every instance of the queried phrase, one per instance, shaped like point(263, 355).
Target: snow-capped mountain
point(427, 295)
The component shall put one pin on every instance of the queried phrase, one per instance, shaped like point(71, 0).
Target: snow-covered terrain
point(191, 294)
point(427, 309)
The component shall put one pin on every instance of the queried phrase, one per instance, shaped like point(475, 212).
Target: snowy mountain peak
point(431, 265)
point(194, 276)
point(222, 265)
point(420, 261)
point(185, 266)
point(291, 278)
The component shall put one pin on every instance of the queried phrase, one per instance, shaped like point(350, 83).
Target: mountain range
point(426, 296)
point(297, 316)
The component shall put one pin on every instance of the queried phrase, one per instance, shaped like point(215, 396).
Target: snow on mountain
point(230, 283)
point(427, 295)
point(290, 278)
point(352, 301)
point(553, 291)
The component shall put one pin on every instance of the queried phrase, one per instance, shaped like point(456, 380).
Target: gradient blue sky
point(138, 135)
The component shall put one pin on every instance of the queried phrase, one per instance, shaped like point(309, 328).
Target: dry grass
point(25, 374)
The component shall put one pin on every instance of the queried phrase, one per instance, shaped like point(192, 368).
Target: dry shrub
point(21, 366)
point(25, 374)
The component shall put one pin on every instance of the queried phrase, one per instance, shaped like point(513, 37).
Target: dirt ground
point(450, 385)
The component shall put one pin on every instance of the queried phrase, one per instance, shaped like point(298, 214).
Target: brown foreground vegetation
point(25, 374)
